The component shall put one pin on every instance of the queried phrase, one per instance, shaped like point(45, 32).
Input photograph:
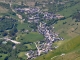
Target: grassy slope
point(68, 30)
point(71, 28)
point(69, 56)
point(71, 48)
point(70, 10)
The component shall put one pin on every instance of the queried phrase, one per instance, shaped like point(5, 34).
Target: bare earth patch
point(3, 10)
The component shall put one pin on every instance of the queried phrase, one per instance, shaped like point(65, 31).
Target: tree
point(77, 17)
point(4, 33)
point(6, 58)
point(22, 3)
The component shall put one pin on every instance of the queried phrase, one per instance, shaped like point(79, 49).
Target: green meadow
point(3, 56)
point(31, 37)
point(23, 26)
point(22, 55)
point(31, 46)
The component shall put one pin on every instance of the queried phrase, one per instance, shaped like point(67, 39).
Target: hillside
point(68, 28)
point(20, 19)
point(69, 50)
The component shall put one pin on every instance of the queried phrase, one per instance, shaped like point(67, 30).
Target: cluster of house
point(35, 14)
point(46, 45)
point(28, 10)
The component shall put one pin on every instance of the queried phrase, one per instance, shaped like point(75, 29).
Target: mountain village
point(46, 45)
